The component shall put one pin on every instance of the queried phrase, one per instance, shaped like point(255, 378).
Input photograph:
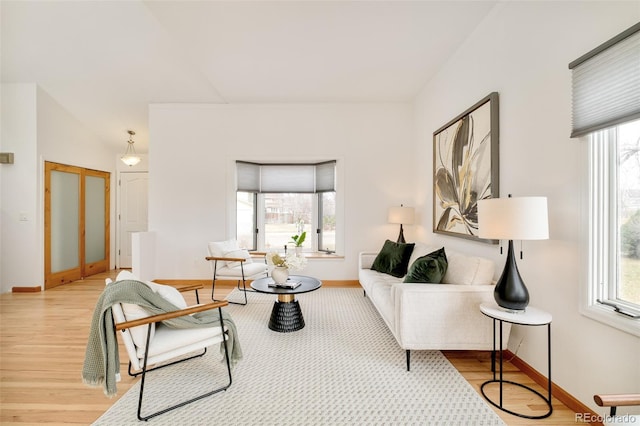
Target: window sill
point(308, 255)
point(321, 255)
point(607, 316)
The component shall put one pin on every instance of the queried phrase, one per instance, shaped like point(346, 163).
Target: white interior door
point(133, 212)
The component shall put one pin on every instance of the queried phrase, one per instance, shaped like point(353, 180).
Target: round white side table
point(529, 317)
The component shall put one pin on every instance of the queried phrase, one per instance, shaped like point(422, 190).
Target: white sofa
point(442, 316)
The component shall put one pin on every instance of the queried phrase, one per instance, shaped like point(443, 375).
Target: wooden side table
point(530, 317)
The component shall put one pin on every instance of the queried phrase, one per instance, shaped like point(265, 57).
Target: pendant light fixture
point(130, 158)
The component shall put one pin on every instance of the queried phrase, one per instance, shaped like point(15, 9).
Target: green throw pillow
point(393, 259)
point(429, 268)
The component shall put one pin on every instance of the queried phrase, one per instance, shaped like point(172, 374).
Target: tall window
point(277, 201)
point(606, 108)
point(615, 218)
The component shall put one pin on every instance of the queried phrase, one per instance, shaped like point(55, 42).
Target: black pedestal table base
point(286, 317)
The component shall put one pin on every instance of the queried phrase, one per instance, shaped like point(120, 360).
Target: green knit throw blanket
point(102, 362)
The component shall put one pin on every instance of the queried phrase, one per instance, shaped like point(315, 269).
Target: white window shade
point(606, 84)
point(248, 177)
point(326, 176)
point(285, 178)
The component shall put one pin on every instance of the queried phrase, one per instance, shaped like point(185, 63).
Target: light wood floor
point(43, 338)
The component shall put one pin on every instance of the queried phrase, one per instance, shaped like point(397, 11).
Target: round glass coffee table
point(286, 315)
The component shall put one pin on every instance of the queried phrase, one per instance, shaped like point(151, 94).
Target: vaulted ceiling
point(106, 61)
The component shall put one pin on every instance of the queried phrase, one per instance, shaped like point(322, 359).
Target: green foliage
point(329, 222)
point(299, 239)
point(630, 236)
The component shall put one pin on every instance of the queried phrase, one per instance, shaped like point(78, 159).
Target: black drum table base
point(286, 317)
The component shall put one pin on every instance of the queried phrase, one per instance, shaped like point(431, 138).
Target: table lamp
point(518, 218)
point(401, 215)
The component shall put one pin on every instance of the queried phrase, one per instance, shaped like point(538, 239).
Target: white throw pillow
point(126, 275)
point(133, 312)
point(240, 253)
point(219, 248)
point(168, 293)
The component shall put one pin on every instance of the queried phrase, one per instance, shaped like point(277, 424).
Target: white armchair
point(229, 262)
point(148, 342)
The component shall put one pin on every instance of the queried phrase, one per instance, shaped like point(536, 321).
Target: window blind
point(606, 84)
point(285, 178)
point(326, 176)
point(248, 177)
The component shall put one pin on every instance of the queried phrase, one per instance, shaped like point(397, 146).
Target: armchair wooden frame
point(162, 317)
point(241, 260)
point(616, 400)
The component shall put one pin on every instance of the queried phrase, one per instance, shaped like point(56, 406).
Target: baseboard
point(34, 289)
point(556, 391)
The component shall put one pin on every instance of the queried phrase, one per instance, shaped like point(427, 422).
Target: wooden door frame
point(55, 279)
point(89, 269)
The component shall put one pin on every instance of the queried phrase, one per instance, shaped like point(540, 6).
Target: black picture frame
point(466, 168)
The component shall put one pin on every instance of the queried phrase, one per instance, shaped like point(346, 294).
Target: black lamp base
point(510, 292)
point(401, 236)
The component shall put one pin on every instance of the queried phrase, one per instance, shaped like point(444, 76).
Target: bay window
point(277, 201)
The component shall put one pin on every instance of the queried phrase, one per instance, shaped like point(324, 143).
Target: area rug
point(343, 368)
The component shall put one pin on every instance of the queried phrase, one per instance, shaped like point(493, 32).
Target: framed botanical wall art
point(465, 168)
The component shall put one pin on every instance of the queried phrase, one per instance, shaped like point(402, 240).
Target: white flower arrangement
point(291, 261)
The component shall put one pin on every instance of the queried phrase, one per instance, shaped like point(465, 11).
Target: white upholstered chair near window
point(148, 342)
point(230, 262)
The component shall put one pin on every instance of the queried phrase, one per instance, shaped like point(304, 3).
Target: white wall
point(38, 129)
point(191, 164)
point(522, 51)
point(18, 187)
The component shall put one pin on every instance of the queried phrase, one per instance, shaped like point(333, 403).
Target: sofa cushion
point(421, 249)
point(461, 269)
point(429, 268)
point(469, 270)
point(393, 258)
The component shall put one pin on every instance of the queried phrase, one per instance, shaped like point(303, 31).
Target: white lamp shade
point(518, 218)
point(402, 215)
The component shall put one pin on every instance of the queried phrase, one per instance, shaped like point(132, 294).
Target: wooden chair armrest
point(227, 259)
point(617, 400)
point(188, 287)
point(173, 314)
point(258, 253)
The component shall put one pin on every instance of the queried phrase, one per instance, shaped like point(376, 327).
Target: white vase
point(298, 250)
point(280, 274)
